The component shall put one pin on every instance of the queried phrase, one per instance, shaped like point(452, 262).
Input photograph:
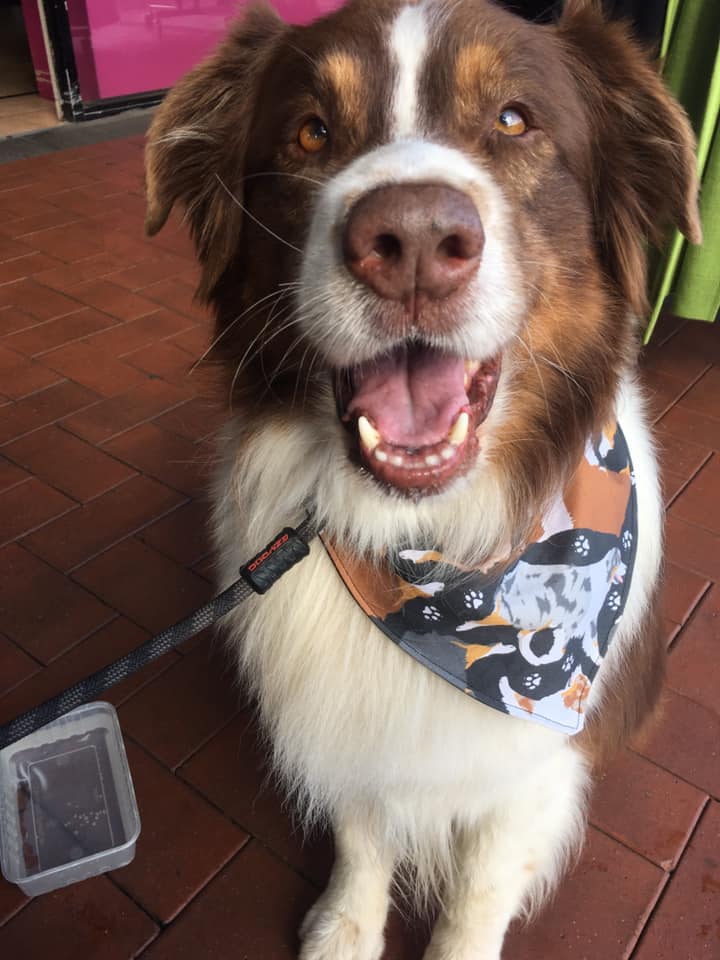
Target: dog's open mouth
point(415, 413)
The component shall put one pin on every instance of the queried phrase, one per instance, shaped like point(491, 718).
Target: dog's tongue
point(411, 396)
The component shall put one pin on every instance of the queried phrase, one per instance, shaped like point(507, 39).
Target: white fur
point(493, 305)
point(408, 42)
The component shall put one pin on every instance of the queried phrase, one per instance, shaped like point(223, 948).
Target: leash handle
point(283, 552)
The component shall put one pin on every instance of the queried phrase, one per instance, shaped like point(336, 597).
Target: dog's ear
point(197, 140)
point(643, 172)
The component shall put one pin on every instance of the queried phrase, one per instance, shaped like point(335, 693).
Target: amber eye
point(511, 122)
point(313, 135)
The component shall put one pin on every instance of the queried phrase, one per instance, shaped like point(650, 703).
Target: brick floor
point(103, 465)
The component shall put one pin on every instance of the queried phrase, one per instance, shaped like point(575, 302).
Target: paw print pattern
point(431, 613)
point(532, 681)
point(632, 478)
point(582, 546)
point(473, 599)
point(614, 600)
point(568, 663)
point(627, 539)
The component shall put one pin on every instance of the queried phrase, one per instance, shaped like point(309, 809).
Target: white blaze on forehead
point(408, 44)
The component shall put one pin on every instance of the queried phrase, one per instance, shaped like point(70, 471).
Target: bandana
point(525, 635)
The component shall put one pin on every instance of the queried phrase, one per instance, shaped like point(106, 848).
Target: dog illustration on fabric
point(528, 635)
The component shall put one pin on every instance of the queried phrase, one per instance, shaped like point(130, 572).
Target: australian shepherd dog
point(422, 229)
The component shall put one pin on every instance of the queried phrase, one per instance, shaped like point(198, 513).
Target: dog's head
point(434, 213)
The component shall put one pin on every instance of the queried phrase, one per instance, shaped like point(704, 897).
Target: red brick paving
point(103, 468)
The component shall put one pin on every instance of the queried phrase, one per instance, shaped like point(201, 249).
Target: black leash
point(257, 576)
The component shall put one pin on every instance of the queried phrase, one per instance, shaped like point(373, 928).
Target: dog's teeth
point(369, 436)
point(447, 452)
point(381, 456)
point(459, 429)
point(471, 368)
point(396, 460)
point(432, 460)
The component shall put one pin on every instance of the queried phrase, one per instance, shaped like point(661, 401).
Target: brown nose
point(413, 241)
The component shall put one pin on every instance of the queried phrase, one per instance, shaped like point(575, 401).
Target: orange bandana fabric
point(527, 635)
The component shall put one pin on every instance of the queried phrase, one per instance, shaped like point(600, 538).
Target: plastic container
point(67, 804)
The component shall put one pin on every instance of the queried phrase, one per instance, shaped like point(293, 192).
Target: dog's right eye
point(313, 135)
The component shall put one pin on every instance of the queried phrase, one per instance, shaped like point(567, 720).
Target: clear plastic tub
point(67, 804)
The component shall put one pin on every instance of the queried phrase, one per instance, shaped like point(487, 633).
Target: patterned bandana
point(526, 635)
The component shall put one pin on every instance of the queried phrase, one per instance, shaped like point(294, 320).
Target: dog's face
point(428, 219)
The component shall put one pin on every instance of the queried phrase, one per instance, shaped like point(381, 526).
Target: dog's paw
point(329, 934)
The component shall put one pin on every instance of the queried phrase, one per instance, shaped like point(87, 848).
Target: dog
point(422, 229)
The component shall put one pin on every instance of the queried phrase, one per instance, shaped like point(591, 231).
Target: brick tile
point(206, 569)
point(36, 299)
point(699, 502)
point(599, 909)
point(11, 901)
point(678, 455)
point(12, 249)
point(85, 363)
point(185, 841)
point(686, 925)
point(251, 910)
point(672, 484)
point(195, 420)
point(70, 274)
point(81, 201)
point(692, 669)
point(91, 920)
point(40, 409)
point(699, 338)
point(178, 296)
point(662, 391)
point(178, 712)
point(176, 461)
point(686, 741)
point(27, 266)
point(196, 341)
point(70, 541)
point(15, 666)
point(55, 333)
point(670, 630)
point(136, 334)
point(681, 592)
point(10, 475)
point(631, 803)
point(19, 377)
point(12, 320)
point(29, 505)
point(107, 644)
point(68, 463)
point(151, 271)
point(42, 611)
point(182, 535)
point(117, 414)
point(68, 243)
point(232, 772)
point(165, 360)
point(692, 547)
point(704, 397)
point(23, 201)
point(113, 299)
point(689, 425)
point(144, 585)
point(25, 226)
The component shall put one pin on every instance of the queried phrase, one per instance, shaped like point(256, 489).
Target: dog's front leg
point(508, 861)
point(348, 921)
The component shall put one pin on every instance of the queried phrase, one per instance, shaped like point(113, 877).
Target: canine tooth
point(432, 460)
point(369, 436)
point(381, 456)
point(471, 368)
point(459, 429)
point(447, 452)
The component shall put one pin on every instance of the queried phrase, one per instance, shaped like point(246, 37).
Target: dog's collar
point(526, 636)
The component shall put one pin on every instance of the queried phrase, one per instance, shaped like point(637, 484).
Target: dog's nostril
point(453, 248)
point(388, 247)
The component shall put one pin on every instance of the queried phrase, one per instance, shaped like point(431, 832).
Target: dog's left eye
point(511, 122)
point(313, 135)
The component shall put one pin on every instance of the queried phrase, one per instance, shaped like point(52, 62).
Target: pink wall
point(36, 42)
point(124, 47)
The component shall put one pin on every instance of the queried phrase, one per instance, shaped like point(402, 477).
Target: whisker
point(254, 218)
